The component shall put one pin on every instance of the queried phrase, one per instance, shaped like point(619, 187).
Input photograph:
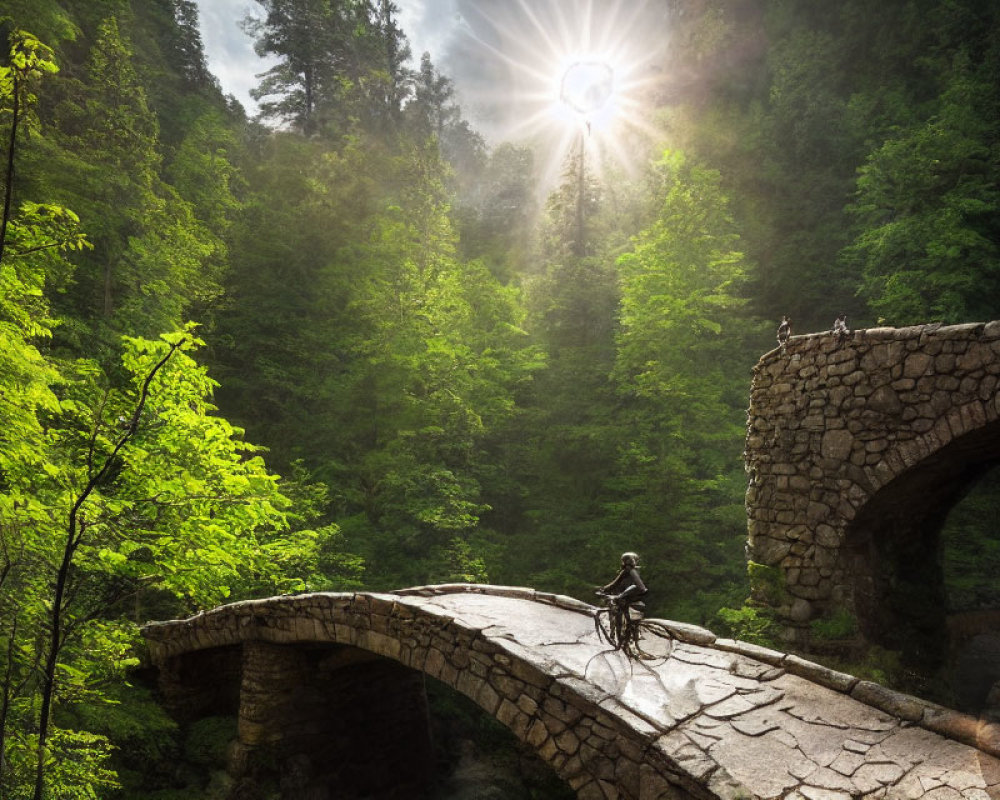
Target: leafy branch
point(75, 533)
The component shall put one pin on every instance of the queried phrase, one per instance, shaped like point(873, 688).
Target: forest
point(352, 343)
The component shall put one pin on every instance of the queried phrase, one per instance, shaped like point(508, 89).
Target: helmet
point(630, 559)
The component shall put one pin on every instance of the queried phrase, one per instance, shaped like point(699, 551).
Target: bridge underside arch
point(330, 720)
point(295, 652)
point(312, 720)
point(894, 549)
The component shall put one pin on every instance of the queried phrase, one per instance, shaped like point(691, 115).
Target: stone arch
point(855, 449)
point(716, 719)
point(594, 744)
point(893, 553)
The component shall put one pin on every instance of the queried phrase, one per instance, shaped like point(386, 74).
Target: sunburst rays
point(541, 48)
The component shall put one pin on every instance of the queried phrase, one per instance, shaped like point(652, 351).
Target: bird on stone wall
point(840, 329)
point(784, 331)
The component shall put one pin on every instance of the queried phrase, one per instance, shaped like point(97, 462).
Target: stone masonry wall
point(322, 717)
point(877, 432)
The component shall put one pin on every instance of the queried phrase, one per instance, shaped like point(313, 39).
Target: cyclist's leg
point(635, 627)
point(602, 624)
point(619, 625)
point(630, 634)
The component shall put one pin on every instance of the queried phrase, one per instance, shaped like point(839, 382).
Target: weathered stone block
point(528, 673)
point(885, 401)
point(973, 415)
point(684, 631)
point(882, 356)
point(561, 711)
point(469, 684)
point(538, 734)
point(974, 357)
point(567, 742)
point(627, 777)
point(817, 513)
point(809, 577)
point(840, 681)
point(770, 551)
point(890, 701)
point(516, 720)
point(800, 610)
point(799, 483)
point(449, 674)
point(837, 444)
point(814, 422)
point(945, 363)
point(917, 364)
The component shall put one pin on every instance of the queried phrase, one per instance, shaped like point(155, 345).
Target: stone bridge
point(328, 690)
point(855, 452)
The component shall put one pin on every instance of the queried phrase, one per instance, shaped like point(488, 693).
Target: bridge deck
point(738, 726)
point(776, 733)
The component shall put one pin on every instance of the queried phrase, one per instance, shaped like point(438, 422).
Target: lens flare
point(587, 87)
point(574, 75)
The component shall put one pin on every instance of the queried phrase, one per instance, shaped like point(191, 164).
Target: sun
point(573, 74)
point(587, 90)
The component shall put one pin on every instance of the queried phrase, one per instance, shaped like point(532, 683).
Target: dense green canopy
point(349, 345)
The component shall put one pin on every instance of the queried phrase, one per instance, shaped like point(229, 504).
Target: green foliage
point(840, 624)
point(515, 770)
point(453, 390)
point(679, 350)
point(207, 740)
point(927, 202)
point(185, 506)
point(151, 257)
point(971, 548)
point(405, 356)
point(130, 717)
point(767, 584)
point(336, 61)
point(878, 665)
point(749, 623)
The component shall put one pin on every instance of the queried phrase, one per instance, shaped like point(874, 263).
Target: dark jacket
point(627, 583)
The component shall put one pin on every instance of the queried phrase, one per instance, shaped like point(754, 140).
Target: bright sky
point(230, 51)
point(505, 57)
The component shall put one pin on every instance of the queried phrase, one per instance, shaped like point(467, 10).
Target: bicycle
point(616, 625)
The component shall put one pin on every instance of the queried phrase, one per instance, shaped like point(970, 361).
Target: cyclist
point(625, 591)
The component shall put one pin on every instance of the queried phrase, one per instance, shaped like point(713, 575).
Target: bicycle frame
point(622, 630)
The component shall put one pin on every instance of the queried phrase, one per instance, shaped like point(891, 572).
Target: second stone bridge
point(328, 691)
point(856, 452)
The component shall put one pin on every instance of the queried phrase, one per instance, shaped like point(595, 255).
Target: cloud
point(496, 52)
point(229, 51)
point(428, 25)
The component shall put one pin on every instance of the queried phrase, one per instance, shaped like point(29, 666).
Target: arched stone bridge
point(855, 452)
point(324, 684)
